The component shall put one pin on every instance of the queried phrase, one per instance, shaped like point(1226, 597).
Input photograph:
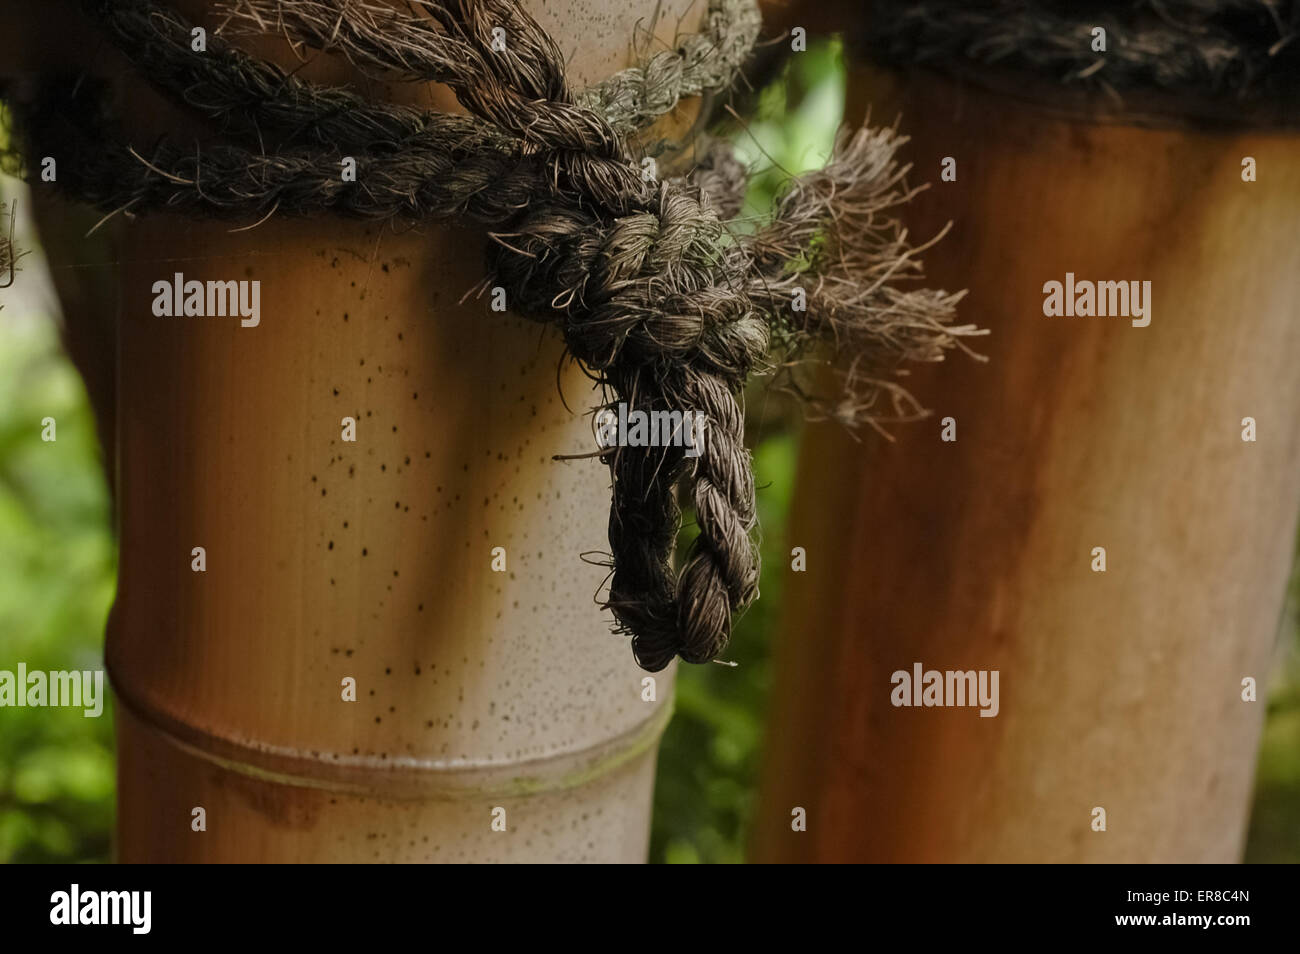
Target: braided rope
point(653, 296)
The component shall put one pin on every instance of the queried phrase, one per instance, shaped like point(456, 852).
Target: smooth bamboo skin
point(327, 559)
point(1120, 690)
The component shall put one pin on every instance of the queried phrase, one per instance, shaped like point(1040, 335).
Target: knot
point(722, 179)
point(647, 288)
point(651, 303)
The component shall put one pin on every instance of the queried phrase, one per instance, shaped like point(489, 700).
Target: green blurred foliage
point(57, 571)
point(1274, 835)
point(793, 126)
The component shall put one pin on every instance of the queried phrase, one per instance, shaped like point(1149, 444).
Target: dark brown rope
point(1247, 51)
point(656, 299)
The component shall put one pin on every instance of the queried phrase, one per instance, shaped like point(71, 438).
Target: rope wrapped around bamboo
point(1220, 59)
point(659, 301)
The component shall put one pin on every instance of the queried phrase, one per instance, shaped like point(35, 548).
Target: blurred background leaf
point(57, 575)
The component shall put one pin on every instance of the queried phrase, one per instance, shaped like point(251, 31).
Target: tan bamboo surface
point(1120, 690)
point(326, 559)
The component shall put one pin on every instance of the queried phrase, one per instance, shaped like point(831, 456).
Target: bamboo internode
point(1121, 689)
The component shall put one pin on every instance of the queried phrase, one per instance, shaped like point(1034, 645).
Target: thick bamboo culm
point(1120, 690)
point(476, 690)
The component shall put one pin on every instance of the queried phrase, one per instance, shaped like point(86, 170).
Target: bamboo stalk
point(1120, 690)
point(327, 559)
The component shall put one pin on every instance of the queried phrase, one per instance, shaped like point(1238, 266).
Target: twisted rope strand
point(1247, 49)
point(410, 46)
point(252, 98)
